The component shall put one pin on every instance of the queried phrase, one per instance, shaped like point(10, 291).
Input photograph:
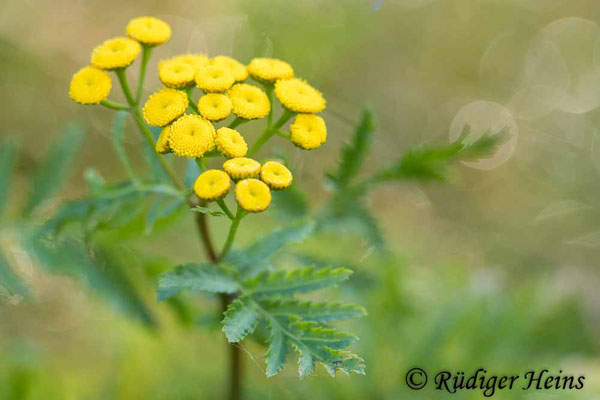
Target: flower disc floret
point(253, 195)
point(196, 61)
point(90, 85)
point(213, 78)
point(249, 102)
point(165, 106)
point(212, 185)
point(275, 175)
point(192, 136)
point(150, 31)
point(230, 143)
point(162, 144)
point(242, 168)
point(115, 53)
point(214, 106)
point(308, 131)
point(298, 96)
point(175, 73)
point(237, 69)
point(270, 69)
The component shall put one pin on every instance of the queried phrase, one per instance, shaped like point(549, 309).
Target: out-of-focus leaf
point(354, 153)
point(157, 173)
point(290, 203)
point(50, 173)
point(206, 210)
point(8, 156)
point(118, 132)
point(432, 163)
point(203, 277)
point(257, 256)
point(298, 280)
point(191, 173)
point(349, 213)
point(10, 281)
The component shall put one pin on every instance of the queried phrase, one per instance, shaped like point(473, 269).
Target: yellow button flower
point(115, 53)
point(148, 30)
point(230, 143)
point(165, 106)
point(214, 106)
point(212, 78)
point(175, 73)
point(162, 144)
point(192, 136)
point(90, 85)
point(196, 61)
point(298, 96)
point(308, 131)
point(275, 175)
point(270, 69)
point(237, 69)
point(249, 102)
point(242, 167)
point(253, 195)
point(212, 185)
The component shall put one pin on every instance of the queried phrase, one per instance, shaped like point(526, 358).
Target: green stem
point(225, 209)
point(283, 134)
point(161, 159)
point(125, 86)
point(189, 91)
point(200, 163)
point(236, 122)
point(113, 105)
point(270, 131)
point(269, 90)
point(146, 53)
point(240, 213)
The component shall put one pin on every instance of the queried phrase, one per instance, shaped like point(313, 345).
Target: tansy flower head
point(242, 168)
point(192, 136)
point(115, 53)
point(212, 185)
point(148, 30)
point(162, 144)
point(298, 96)
point(230, 143)
point(90, 85)
point(165, 106)
point(214, 106)
point(275, 175)
point(270, 69)
point(249, 102)
point(308, 131)
point(175, 73)
point(252, 195)
point(212, 78)
point(237, 69)
point(196, 61)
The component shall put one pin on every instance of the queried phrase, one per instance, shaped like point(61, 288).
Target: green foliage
point(354, 153)
point(297, 280)
point(311, 311)
point(118, 133)
point(208, 211)
point(53, 169)
point(240, 320)
point(432, 162)
point(205, 277)
point(8, 156)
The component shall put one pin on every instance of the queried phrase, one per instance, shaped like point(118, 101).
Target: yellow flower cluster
point(253, 182)
point(189, 125)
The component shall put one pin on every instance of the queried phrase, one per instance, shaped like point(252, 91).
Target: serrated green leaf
point(310, 311)
point(118, 133)
point(206, 210)
point(298, 280)
point(354, 153)
point(240, 320)
point(278, 350)
point(51, 172)
point(203, 277)
point(257, 256)
point(8, 156)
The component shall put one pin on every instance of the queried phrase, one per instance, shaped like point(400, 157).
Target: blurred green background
point(497, 268)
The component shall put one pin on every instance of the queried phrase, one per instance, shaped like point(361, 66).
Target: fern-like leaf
point(310, 311)
point(298, 280)
point(203, 277)
point(240, 320)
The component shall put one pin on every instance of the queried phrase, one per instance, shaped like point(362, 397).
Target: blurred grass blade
point(118, 133)
point(8, 156)
point(53, 169)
